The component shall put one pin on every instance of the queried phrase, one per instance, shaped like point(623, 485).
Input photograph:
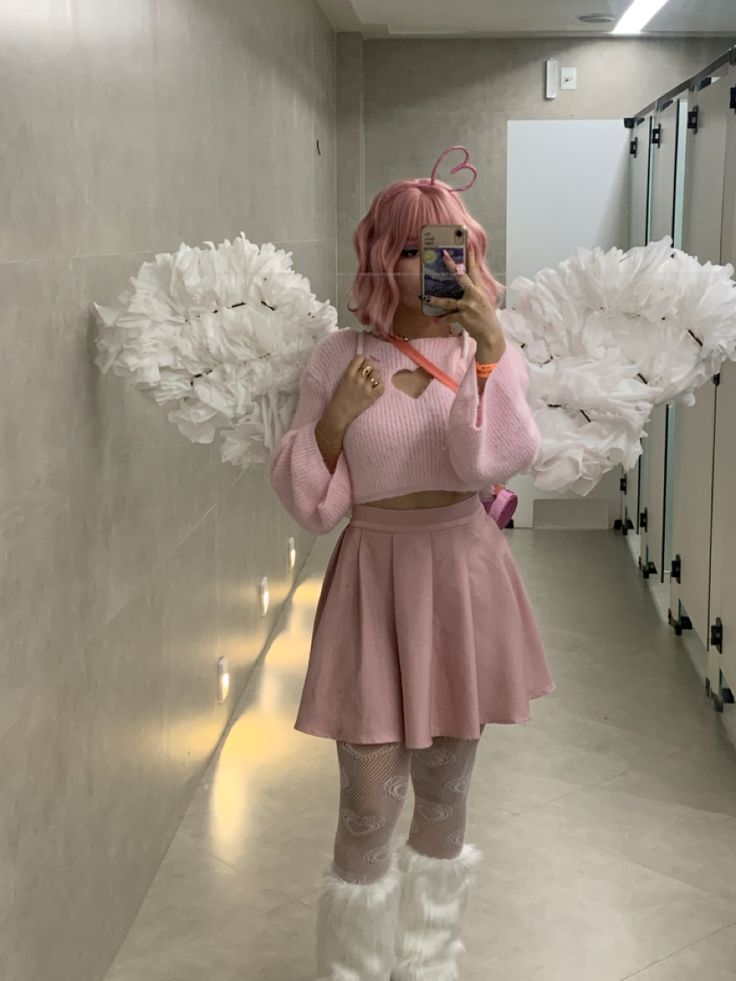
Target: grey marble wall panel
point(351, 155)
point(130, 558)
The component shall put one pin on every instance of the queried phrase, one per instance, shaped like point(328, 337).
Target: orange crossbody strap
point(425, 363)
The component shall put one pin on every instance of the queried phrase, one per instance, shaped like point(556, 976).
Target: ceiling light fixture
point(638, 16)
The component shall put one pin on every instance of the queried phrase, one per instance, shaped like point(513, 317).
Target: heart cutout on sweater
point(412, 382)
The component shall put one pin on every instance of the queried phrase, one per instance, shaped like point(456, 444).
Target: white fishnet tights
point(374, 780)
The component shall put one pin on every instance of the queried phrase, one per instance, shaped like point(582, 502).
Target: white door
point(567, 187)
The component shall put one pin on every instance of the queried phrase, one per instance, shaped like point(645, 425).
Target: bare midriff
point(423, 499)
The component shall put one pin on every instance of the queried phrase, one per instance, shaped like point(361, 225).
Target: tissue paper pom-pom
point(607, 336)
point(220, 335)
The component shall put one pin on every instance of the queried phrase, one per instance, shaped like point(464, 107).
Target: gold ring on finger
point(367, 370)
point(375, 383)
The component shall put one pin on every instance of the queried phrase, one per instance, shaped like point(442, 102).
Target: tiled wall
point(130, 558)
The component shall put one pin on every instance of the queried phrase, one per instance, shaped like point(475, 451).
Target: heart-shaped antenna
point(463, 165)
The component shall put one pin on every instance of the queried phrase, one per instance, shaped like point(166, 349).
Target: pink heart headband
point(463, 165)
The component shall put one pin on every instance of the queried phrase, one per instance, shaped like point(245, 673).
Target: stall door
point(722, 648)
point(667, 141)
point(640, 175)
point(701, 237)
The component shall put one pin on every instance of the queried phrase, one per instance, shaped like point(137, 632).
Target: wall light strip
point(638, 16)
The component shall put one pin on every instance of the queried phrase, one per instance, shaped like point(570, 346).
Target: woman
point(423, 633)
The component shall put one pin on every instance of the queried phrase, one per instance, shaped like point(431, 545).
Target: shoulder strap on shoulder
point(360, 339)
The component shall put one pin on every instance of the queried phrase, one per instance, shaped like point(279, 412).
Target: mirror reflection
point(366, 498)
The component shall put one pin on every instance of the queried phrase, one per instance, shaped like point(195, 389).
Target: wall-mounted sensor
point(265, 596)
point(551, 79)
point(291, 552)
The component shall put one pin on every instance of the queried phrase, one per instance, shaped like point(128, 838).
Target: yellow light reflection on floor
point(263, 738)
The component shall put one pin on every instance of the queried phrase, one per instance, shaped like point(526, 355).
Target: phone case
point(436, 278)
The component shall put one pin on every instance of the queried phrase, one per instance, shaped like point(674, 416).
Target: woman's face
point(407, 274)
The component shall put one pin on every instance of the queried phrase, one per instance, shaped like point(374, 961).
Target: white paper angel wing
point(221, 335)
point(609, 335)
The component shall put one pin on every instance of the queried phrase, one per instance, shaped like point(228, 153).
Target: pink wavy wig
point(395, 218)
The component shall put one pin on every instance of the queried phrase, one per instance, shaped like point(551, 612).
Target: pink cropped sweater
point(442, 440)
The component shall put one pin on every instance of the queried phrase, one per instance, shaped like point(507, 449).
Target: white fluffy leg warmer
point(434, 898)
point(356, 925)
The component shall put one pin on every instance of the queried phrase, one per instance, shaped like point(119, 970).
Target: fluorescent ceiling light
point(638, 15)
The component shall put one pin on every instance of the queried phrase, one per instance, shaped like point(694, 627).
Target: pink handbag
point(502, 502)
point(501, 505)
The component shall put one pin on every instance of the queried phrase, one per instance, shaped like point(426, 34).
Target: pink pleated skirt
point(423, 628)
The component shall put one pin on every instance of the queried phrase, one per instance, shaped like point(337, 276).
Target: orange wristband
point(484, 370)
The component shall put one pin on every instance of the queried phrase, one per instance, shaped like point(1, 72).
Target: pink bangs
point(395, 218)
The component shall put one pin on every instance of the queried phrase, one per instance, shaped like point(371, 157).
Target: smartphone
point(436, 278)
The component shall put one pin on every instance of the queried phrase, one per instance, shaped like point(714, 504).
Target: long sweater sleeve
point(314, 497)
point(492, 435)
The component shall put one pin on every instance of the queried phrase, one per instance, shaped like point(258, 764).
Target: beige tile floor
point(607, 823)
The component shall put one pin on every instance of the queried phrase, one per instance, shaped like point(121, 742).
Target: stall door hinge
point(693, 117)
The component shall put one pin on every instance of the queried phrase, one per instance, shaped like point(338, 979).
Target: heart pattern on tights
point(377, 856)
point(459, 786)
point(413, 383)
point(434, 811)
point(362, 824)
point(397, 787)
point(362, 751)
point(437, 757)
